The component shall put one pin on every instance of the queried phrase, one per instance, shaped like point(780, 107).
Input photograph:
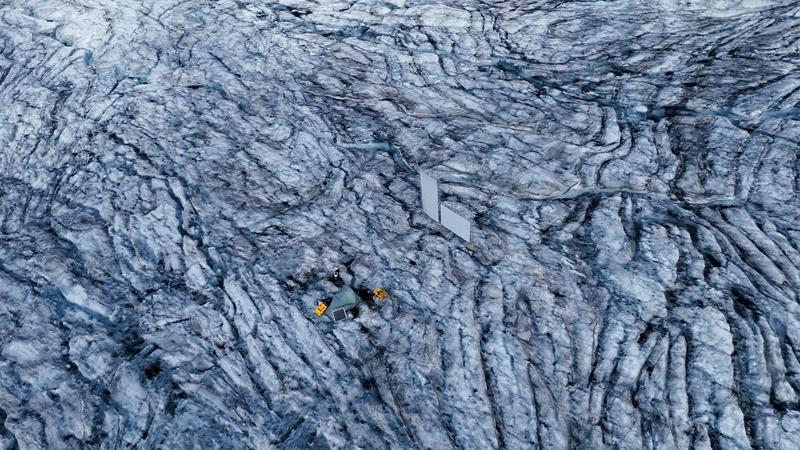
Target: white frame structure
point(455, 223)
point(429, 188)
point(430, 195)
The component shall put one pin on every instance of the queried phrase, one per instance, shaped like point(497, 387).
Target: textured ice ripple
point(177, 177)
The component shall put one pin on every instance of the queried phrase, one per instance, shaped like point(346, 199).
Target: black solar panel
point(339, 314)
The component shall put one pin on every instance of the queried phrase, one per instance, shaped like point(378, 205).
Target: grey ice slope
point(176, 177)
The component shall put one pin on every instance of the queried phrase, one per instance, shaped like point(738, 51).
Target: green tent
point(343, 301)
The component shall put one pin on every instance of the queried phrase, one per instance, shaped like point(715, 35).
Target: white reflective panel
point(455, 223)
point(430, 195)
